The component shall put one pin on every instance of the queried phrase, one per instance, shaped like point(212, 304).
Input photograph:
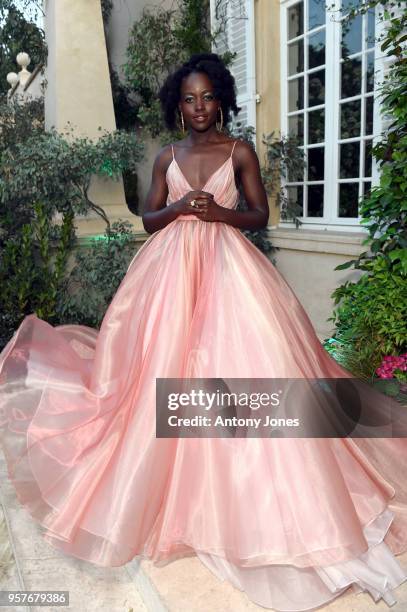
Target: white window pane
point(348, 200)
point(315, 164)
point(351, 77)
point(316, 126)
point(366, 187)
point(338, 66)
point(370, 71)
point(295, 198)
point(316, 49)
point(352, 36)
point(295, 16)
point(296, 57)
point(369, 115)
point(370, 29)
point(349, 155)
point(315, 200)
point(296, 127)
point(316, 13)
point(316, 88)
point(346, 5)
point(296, 94)
point(350, 119)
point(368, 158)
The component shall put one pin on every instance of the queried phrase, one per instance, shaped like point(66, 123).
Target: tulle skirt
point(292, 522)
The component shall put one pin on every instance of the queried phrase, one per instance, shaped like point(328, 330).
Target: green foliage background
point(44, 182)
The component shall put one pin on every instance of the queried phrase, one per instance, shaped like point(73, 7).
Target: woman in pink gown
point(293, 522)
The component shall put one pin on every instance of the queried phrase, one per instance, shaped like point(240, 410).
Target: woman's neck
point(202, 138)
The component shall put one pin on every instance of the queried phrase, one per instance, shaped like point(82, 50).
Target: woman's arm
point(248, 171)
point(156, 213)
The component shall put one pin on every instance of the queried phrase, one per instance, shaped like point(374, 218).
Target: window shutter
point(234, 19)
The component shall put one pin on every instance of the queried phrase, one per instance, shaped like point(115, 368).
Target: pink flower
point(391, 363)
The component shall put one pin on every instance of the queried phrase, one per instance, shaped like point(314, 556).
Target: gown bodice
point(221, 184)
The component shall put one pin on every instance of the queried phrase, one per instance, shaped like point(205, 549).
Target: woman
point(293, 522)
point(202, 152)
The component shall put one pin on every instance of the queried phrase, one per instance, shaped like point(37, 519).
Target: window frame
point(330, 221)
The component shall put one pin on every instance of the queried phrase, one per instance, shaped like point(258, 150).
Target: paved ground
point(28, 562)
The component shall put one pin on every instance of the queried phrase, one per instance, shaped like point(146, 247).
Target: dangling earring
point(182, 121)
point(219, 126)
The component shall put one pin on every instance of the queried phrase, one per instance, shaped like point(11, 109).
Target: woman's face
point(197, 102)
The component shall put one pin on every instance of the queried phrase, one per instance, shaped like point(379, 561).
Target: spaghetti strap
point(233, 148)
point(172, 149)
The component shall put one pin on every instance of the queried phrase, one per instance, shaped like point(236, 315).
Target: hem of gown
point(375, 571)
point(45, 514)
point(163, 556)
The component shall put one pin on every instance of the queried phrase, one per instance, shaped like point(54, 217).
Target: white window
point(329, 100)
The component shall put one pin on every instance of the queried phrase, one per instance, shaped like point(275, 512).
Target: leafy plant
point(107, 7)
point(152, 52)
point(284, 159)
point(86, 294)
point(32, 266)
point(372, 316)
point(44, 181)
point(18, 122)
point(56, 169)
point(125, 108)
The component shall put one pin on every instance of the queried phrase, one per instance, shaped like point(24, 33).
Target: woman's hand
point(204, 206)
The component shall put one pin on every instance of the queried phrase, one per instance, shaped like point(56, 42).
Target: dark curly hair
point(222, 80)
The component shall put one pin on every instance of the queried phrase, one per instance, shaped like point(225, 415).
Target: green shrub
point(98, 270)
point(44, 182)
point(371, 318)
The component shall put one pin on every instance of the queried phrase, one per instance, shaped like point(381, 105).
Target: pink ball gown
point(292, 522)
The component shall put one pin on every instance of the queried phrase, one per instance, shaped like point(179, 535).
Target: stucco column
point(79, 91)
point(267, 28)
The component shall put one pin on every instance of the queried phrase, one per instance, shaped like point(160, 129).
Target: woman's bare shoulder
point(244, 153)
point(243, 147)
point(163, 158)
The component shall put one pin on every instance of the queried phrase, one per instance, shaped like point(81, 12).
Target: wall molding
point(318, 241)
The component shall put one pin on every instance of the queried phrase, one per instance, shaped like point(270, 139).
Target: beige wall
point(307, 260)
point(267, 28)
